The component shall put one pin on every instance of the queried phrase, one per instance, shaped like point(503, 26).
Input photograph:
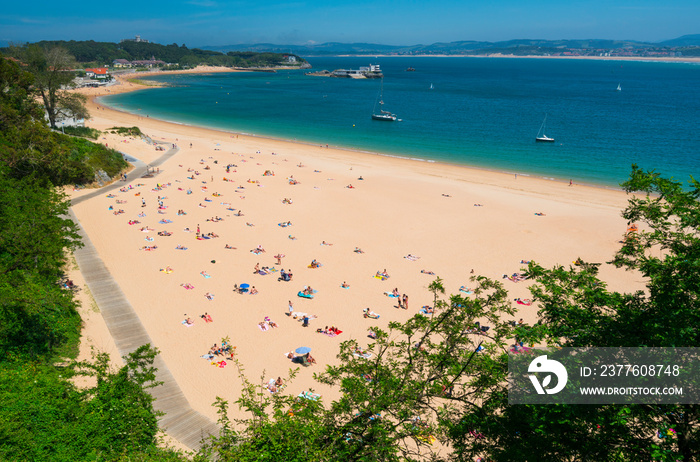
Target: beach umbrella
point(245, 286)
point(302, 350)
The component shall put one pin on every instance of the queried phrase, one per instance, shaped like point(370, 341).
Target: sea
point(477, 112)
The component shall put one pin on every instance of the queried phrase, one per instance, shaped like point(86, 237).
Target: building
point(97, 73)
point(121, 63)
point(371, 72)
point(136, 39)
point(153, 62)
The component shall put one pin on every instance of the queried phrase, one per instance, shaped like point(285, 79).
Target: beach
point(409, 218)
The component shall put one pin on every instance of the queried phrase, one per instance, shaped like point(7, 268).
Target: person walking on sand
point(405, 301)
point(291, 308)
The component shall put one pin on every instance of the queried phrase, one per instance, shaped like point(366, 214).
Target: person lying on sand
point(427, 272)
point(369, 314)
point(358, 250)
point(207, 318)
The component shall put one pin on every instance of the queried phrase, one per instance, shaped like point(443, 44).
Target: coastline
point(128, 85)
point(400, 207)
point(687, 60)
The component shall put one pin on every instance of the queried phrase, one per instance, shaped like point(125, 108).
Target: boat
point(432, 87)
point(383, 115)
point(410, 69)
point(619, 88)
point(541, 137)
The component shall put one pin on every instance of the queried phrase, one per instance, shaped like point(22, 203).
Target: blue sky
point(408, 22)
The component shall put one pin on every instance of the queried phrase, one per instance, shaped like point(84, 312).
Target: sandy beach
point(447, 220)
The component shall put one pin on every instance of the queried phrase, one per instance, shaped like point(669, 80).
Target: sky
point(391, 22)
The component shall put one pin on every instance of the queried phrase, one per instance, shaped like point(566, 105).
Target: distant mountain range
point(522, 46)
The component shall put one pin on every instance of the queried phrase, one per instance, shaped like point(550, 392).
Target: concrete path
point(180, 421)
point(139, 170)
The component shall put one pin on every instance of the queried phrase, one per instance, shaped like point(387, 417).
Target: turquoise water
point(482, 112)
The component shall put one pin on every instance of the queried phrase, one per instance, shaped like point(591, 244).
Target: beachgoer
point(291, 308)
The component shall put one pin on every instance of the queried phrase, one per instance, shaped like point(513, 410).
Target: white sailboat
point(432, 87)
point(541, 137)
point(619, 87)
point(383, 115)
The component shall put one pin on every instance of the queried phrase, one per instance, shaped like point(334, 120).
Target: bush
point(126, 131)
point(85, 132)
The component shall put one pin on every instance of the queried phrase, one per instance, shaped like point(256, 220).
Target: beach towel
point(365, 355)
point(389, 294)
point(526, 302)
point(180, 248)
point(466, 290)
point(164, 222)
point(347, 287)
point(424, 310)
point(184, 323)
point(205, 274)
point(309, 395)
point(303, 295)
point(207, 356)
point(263, 326)
point(411, 257)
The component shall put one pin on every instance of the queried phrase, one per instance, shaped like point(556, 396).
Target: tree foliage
point(52, 68)
point(46, 417)
point(101, 53)
point(579, 311)
point(29, 148)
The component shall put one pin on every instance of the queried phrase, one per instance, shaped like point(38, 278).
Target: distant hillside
point(93, 53)
point(518, 47)
point(684, 41)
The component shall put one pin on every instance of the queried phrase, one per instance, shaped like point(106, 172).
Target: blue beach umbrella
point(245, 286)
point(302, 350)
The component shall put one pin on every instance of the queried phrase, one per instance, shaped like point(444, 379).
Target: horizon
point(198, 23)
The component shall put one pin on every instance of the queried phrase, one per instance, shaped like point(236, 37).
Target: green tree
point(53, 76)
point(36, 314)
point(46, 417)
point(577, 310)
point(18, 105)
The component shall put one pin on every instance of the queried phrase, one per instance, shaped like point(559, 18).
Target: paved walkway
point(180, 421)
point(139, 170)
